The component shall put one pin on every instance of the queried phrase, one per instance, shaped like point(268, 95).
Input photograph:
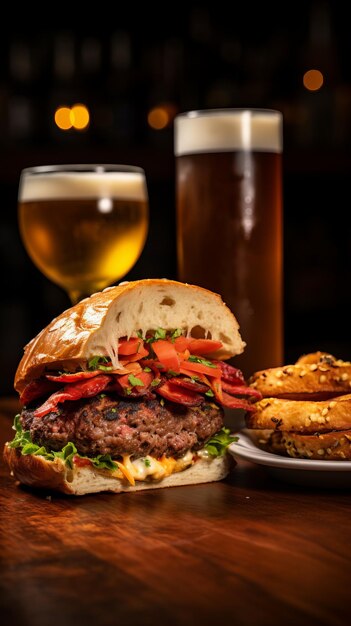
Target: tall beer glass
point(229, 220)
point(84, 226)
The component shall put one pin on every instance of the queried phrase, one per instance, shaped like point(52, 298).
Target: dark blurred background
point(134, 68)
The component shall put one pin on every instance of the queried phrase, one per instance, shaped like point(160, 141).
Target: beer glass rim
point(228, 111)
point(76, 168)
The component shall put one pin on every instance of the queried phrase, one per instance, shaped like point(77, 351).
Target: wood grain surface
point(246, 551)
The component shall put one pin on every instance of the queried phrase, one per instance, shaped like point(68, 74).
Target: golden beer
point(229, 221)
point(84, 230)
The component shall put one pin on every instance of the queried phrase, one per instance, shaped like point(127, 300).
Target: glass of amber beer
point(229, 220)
point(83, 226)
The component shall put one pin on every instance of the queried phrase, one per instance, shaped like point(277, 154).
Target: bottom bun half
point(56, 475)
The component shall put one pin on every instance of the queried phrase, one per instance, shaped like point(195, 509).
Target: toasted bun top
point(94, 325)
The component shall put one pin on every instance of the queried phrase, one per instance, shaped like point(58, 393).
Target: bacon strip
point(179, 395)
point(74, 377)
point(35, 389)
point(230, 374)
point(241, 390)
point(225, 381)
point(187, 383)
point(231, 402)
point(73, 391)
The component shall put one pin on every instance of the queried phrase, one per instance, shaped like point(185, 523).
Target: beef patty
point(107, 425)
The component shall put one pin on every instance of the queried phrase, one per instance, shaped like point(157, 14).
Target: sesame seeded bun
point(305, 411)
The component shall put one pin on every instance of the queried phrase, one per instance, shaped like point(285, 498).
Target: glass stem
point(76, 296)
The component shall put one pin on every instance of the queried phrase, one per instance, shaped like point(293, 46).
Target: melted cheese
point(149, 467)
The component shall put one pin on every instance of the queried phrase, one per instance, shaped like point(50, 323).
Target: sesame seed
point(313, 367)
point(279, 374)
point(340, 362)
point(344, 376)
point(279, 383)
point(323, 369)
point(332, 404)
point(322, 378)
point(327, 418)
point(329, 450)
point(320, 451)
point(302, 373)
point(325, 411)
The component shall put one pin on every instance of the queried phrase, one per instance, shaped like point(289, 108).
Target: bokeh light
point(79, 116)
point(313, 80)
point(162, 115)
point(63, 118)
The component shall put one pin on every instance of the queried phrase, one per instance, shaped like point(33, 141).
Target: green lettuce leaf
point(97, 363)
point(23, 441)
point(217, 445)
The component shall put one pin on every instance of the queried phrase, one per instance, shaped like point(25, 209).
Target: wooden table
point(246, 551)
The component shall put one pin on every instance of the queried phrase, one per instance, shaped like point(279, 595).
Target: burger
point(126, 391)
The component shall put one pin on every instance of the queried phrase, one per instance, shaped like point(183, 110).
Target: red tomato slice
point(129, 346)
point(190, 366)
point(204, 346)
point(166, 354)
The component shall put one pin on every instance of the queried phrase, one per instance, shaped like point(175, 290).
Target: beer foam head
point(55, 185)
point(230, 129)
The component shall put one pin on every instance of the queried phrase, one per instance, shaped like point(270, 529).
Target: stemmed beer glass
point(83, 226)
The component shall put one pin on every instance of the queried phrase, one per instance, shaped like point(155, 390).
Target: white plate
point(326, 474)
